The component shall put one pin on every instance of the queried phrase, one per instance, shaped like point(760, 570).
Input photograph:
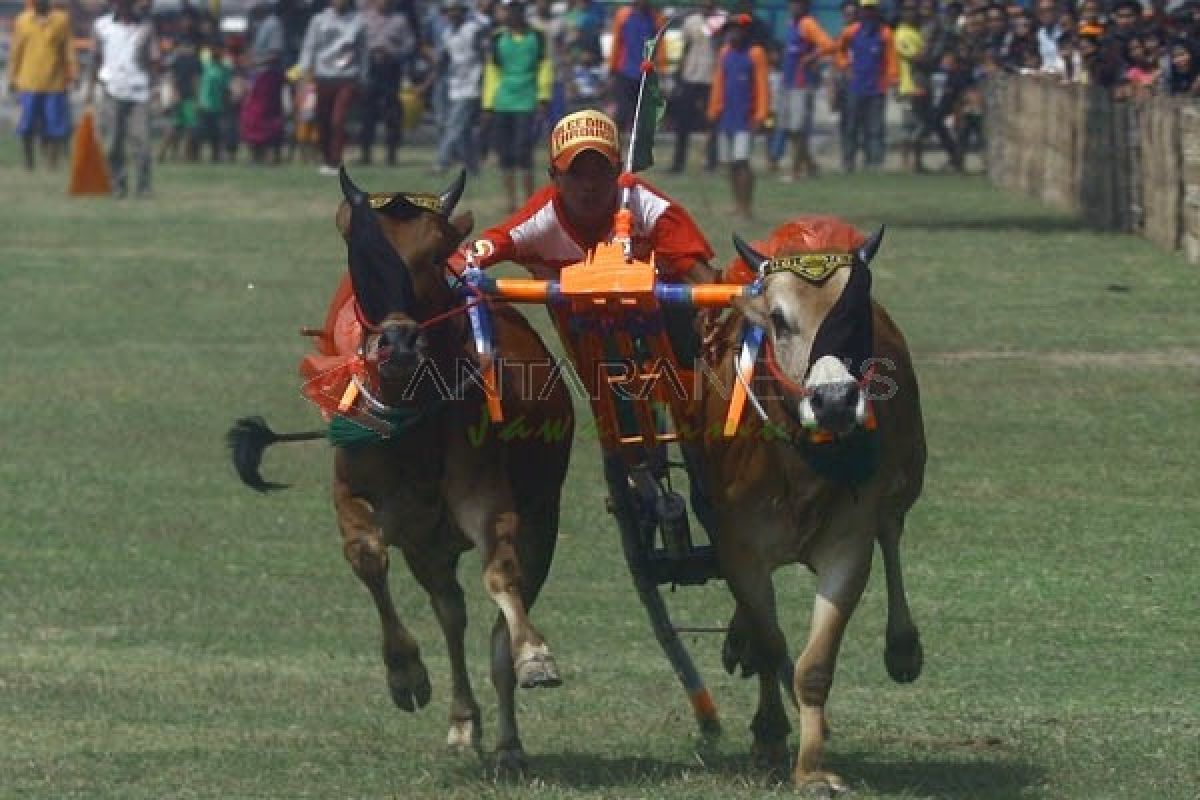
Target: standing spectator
point(463, 47)
point(909, 46)
point(1143, 73)
point(583, 23)
point(588, 79)
point(1022, 52)
point(1091, 18)
point(760, 31)
point(516, 87)
point(432, 85)
point(182, 67)
point(212, 97)
point(738, 105)
point(261, 119)
point(1048, 32)
point(334, 54)
point(124, 57)
point(935, 42)
point(867, 53)
point(553, 27)
point(693, 82)
point(633, 26)
point(806, 44)
point(41, 64)
point(837, 85)
point(997, 34)
point(1126, 17)
point(1183, 76)
point(390, 44)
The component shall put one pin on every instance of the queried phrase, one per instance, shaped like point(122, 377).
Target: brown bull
point(832, 469)
point(442, 481)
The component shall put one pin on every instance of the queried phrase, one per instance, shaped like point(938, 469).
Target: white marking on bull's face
point(828, 369)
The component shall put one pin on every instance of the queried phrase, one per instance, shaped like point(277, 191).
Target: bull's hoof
point(903, 656)
point(819, 784)
point(409, 685)
point(511, 761)
point(465, 735)
point(771, 756)
point(537, 670)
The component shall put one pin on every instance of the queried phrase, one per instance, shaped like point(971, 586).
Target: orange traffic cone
point(89, 167)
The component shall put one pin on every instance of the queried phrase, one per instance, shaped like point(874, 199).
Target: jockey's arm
point(700, 272)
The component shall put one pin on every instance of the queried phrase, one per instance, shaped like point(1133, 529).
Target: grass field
point(167, 633)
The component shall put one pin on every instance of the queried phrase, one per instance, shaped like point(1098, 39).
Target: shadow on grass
point(995, 776)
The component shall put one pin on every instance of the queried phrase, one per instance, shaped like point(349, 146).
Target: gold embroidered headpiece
point(405, 203)
point(812, 267)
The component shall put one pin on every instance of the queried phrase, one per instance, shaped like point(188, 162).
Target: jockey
point(574, 212)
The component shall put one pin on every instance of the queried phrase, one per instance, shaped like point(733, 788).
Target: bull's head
point(397, 245)
point(816, 311)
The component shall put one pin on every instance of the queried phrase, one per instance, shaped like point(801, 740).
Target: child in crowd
point(212, 97)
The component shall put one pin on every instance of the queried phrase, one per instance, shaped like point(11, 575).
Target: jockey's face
point(588, 188)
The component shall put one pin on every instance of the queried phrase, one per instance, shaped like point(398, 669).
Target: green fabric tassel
point(345, 432)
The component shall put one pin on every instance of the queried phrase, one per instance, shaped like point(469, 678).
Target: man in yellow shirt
point(41, 64)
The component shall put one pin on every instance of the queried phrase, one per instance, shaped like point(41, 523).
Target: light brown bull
point(833, 469)
point(443, 481)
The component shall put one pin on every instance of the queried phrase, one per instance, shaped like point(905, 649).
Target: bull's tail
point(247, 440)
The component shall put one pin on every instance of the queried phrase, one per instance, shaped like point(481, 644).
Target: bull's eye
point(780, 323)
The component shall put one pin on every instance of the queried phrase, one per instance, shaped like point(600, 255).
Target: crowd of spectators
point(494, 75)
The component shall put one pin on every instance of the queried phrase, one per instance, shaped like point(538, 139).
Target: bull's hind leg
point(502, 577)
point(434, 564)
point(539, 533)
point(903, 655)
point(365, 548)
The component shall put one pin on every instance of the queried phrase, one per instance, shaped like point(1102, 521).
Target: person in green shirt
point(212, 96)
point(517, 82)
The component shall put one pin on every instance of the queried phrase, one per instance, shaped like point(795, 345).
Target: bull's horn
point(354, 196)
point(754, 259)
point(449, 198)
point(871, 246)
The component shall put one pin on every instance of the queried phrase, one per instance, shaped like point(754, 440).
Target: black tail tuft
point(247, 440)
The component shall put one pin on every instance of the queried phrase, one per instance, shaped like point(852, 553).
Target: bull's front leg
point(365, 547)
point(842, 569)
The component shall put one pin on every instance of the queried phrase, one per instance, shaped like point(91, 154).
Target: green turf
point(167, 633)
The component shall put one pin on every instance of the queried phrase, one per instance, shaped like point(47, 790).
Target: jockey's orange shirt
point(540, 238)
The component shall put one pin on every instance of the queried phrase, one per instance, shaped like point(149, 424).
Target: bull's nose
point(834, 405)
point(399, 342)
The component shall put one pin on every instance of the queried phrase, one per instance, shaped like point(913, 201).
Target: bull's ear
point(377, 272)
point(755, 309)
point(755, 260)
point(871, 246)
point(449, 198)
